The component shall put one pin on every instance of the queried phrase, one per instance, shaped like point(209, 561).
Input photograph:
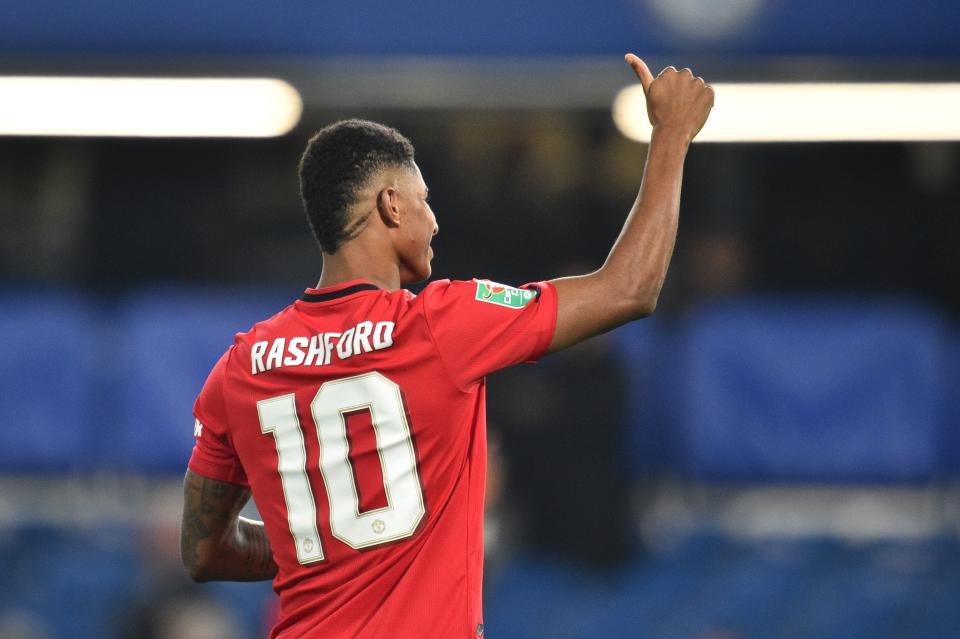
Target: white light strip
point(813, 113)
point(147, 107)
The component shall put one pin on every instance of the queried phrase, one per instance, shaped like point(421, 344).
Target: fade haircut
point(339, 161)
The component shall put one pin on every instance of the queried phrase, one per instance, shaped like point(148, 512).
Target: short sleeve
point(213, 454)
point(480, 326)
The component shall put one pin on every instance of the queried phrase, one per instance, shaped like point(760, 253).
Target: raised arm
point(628, 284)
point(216, 543)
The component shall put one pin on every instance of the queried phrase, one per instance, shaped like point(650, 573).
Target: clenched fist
point(676, 100)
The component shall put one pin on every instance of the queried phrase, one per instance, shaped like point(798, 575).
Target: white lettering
point(319, 349)
point(361, 339)
point(295, 348)
point(315, 351)
point(275, 357)
point(345, 345)
point(328, 345)
point(383, 335)
point(256, 357)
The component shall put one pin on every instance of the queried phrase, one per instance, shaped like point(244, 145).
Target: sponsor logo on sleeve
point(197, 428)
point(503, 295)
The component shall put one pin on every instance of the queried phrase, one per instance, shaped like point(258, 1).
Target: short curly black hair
point(338, 162)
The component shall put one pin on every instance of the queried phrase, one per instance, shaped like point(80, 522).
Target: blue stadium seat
point(808, 390)
point(47, 376)
point(72, 580)
point(950, 445)
point(168, 340)
point(648, 349)
point(711, 586)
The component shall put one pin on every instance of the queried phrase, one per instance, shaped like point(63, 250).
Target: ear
point(388, 207)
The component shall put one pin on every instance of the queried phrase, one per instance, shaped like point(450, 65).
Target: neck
point(353, 262)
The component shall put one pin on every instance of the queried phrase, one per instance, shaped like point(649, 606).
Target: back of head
point(338, 162)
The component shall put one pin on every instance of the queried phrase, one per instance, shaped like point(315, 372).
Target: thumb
point(640, 68)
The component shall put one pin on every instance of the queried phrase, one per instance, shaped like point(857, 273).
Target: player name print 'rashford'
point(320, 349)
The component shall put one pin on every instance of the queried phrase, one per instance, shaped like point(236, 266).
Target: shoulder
point(483, 291)
point(441, 295)
point(266, 327)
point(444, 288)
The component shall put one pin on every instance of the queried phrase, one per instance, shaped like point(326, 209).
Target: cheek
point(426, 229)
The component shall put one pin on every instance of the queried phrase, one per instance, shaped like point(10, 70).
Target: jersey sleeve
point(213, 455)
point(480, 326)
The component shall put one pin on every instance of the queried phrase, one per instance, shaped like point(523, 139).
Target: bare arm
point(216, 543)
point(628, 284)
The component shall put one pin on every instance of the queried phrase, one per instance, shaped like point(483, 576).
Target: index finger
point(641, 69)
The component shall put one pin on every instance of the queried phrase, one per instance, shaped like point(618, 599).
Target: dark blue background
point(536, 27)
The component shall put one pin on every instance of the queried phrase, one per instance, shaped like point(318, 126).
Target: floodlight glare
point(147, 107)
point(815, 112)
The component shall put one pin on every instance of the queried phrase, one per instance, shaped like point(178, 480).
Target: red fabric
point(444, 342)
point(367, 471)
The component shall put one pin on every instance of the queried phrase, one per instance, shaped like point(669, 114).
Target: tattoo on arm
point(215, 542)
point(258, 556)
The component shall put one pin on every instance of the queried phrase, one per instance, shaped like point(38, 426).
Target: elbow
point(199, 574)
point(643, 301)
point(646, 307)
point(197, 566)
point(636, 292)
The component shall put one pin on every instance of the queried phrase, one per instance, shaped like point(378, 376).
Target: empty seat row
point(88, 384)
point(768, 389)
point(797, 389)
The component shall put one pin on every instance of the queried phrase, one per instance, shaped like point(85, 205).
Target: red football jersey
point(356, 416)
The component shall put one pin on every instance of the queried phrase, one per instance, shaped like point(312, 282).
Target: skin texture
point(393, 248)
point(628, 284)
point(215, 542)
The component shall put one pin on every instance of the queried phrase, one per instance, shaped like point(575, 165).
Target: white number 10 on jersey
point(401, 483)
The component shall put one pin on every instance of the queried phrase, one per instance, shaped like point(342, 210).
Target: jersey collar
point(337, 291)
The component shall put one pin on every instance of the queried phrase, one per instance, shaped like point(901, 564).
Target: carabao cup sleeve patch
point(480, 326)
point(503, 295)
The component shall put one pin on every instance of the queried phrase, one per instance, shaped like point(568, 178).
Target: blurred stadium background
point(774, 454)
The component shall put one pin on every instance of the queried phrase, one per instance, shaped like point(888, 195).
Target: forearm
point(628, 284)
point(244, 556)
point(216, 544)
point(637, 263)
point(255, 551)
